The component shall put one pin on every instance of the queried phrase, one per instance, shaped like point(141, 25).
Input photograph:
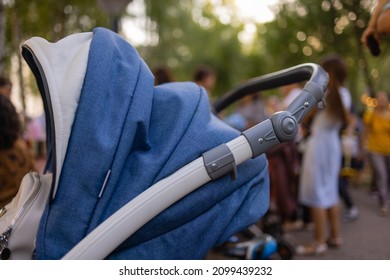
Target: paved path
point(367, 238)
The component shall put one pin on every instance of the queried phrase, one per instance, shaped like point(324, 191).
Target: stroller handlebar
point(281, 126)
point(302, 72)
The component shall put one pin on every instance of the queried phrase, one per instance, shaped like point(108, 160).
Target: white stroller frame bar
point(280, 127)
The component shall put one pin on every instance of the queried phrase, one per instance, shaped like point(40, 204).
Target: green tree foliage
point(49, 19)
point(190, 35)
point(53, 19)
point(185, 34)
point(303, 31)
point(307, 30)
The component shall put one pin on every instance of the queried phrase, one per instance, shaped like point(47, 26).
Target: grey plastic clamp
point(285, 126)
point(261, 137)
point(310, 96)
point(220, 161)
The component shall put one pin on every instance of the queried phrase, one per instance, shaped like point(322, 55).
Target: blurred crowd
point(335, 147)
point(17, 156)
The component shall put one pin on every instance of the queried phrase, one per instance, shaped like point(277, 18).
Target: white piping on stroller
point(65, 76)
point(149, 204)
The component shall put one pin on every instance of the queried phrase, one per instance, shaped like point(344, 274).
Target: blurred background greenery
point(187, 33)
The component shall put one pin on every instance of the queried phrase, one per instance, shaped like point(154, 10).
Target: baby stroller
point(139, 171)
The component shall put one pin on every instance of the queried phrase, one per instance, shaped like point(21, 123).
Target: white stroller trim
point(64, 93)
point(281, 127)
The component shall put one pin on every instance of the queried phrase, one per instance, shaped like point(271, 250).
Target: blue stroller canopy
point(112, 134)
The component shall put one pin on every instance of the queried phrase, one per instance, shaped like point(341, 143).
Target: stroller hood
point(114, 134)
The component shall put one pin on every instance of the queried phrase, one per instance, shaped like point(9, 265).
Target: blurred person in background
point(284, 170)
point(162, 75)
point(377, 133)
point(351, 139)
point(341, 73)
point(15, 157)
point(321, 164)
point(5, 87)
point(249, 112)
point(206, 77)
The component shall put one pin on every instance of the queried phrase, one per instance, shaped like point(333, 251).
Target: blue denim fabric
point(143, 134)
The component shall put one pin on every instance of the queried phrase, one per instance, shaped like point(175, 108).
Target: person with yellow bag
point(377, 133)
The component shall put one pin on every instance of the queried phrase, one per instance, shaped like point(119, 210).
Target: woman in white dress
point(322, 162)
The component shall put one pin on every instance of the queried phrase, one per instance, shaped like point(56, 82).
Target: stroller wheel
point(286, 250)
point(261, 248)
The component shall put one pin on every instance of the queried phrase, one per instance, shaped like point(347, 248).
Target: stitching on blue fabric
point(93, 212)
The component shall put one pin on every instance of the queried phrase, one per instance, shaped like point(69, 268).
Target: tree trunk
point(16, 39)
point(2, 38)
point(363, 59)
